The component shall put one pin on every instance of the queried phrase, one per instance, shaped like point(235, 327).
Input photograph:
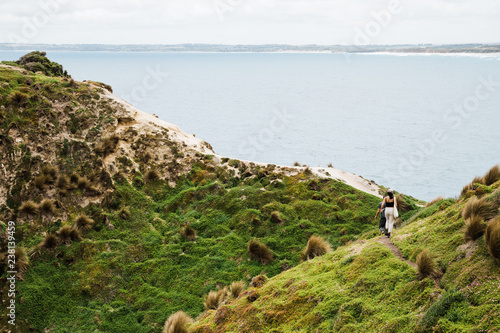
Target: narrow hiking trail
point(395, 250)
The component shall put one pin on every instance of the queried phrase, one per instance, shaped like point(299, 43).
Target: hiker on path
point(381, 223)
point(390, 205)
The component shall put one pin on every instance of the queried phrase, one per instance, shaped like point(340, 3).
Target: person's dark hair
point(390, 194)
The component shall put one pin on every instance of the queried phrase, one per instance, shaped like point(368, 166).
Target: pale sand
point(145, 122)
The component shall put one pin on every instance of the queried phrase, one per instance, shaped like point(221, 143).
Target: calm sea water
point(423, 124)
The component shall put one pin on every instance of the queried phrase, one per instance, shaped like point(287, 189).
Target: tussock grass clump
point(492, 238)
point(316, 246)
point(152, 175)
point(189, 233)
point(252, 296)
point(474, 228)
point(49, 242)
point(74, 177)
point(403, 205)
point(430, 203)
point(177, 323)
point(481, 208)
point(18, 98)
point(22, 260)
point(64, 233)
point(107, 146)
point(260, 251)
point(83, 183)
point(62, 182)
point(425, 265)
point(83, 222)
point(29, 208)
point(258, 281)
point(42, 181)
point(124, 213)
point(236, 288)
point(471, 186)
point(47, 207)
point(75, 235)
point(492, 176)
point(276, 217)
point(49, 170)
point(214, 299)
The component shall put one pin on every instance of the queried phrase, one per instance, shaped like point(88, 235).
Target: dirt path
point(395, 250)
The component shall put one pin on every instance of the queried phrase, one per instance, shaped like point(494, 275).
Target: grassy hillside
point(364, 287)
point(117, 229)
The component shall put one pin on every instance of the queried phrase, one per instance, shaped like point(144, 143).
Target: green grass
point(363, 287)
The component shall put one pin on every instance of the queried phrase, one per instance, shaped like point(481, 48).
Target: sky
point(297, 22)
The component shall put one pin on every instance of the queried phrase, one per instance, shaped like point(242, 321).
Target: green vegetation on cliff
point(119, 228)
point(364, 287)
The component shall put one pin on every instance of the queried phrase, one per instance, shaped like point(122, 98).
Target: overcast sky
point(250, 21)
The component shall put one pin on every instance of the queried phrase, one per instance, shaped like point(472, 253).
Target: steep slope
point(122, 219)
point(364, 287)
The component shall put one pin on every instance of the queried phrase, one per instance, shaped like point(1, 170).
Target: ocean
point(425, 125)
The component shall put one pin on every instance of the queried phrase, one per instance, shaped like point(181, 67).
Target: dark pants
point(381, 224)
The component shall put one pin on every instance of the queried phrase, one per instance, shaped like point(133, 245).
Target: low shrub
point(425, 265)
point(236, 288)
point(260, 251)
point(439, 309)
point(316, 246)
point(492, 238)
point(481, 208)
point(177, 323)
point(474, 228)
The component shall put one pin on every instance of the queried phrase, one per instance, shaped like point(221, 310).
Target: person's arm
point(395, 202)
point(378, 210)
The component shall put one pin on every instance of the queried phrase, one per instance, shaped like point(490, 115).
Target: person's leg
point(381, 225)
point(390, 220)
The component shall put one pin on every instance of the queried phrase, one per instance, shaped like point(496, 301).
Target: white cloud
point(252, 21)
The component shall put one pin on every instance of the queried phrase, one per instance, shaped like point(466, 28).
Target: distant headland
point(267, 48)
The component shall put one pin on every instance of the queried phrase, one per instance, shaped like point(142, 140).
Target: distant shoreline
point(487, 49)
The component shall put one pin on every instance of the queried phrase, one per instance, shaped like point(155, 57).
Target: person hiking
point(390, 204)
point(381, 223)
